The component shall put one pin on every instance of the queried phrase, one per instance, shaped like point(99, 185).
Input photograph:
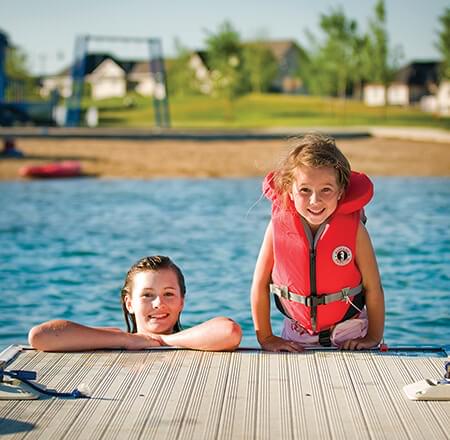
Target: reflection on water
point(65, 247)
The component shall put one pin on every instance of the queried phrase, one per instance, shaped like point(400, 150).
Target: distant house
point(141, 80)
point(374, 95)
point(62, 81)
point(438, 103)
point(410, 84)
point(107, 80)
point(287, 53)
point(198, 62)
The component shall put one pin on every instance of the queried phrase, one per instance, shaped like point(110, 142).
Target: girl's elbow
point(39, 337)
point(232, 333)
point(35, 336)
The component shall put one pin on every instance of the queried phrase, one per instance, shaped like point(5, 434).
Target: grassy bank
point(261, 111)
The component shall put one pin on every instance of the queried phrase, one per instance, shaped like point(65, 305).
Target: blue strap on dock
point(26, 376)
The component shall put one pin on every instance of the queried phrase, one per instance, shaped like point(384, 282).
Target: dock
point(247, 394)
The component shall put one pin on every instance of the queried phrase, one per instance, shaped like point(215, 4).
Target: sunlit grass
point(260, 111)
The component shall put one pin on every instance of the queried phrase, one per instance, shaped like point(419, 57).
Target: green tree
point(180, 76)
point(20, 82)
point(330, 68)
point(224, 51)
point(260, 65)
point(443, 44)
point(377, 46)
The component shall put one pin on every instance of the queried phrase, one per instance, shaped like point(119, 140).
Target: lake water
point(65, 247)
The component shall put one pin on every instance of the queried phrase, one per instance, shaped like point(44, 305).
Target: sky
point(46, 29)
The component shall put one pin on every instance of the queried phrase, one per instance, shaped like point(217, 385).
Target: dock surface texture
point(248, 394)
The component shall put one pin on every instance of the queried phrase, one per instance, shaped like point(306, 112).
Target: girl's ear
point(128, 303)
point(341, 194)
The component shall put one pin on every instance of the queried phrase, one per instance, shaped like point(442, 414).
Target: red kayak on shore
point(66, 168)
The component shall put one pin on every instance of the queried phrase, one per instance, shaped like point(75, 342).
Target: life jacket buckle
point(345, 294)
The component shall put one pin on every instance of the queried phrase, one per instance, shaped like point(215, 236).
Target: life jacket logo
point(342, 255)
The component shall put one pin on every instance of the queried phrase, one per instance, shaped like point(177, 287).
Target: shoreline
point(174, 158)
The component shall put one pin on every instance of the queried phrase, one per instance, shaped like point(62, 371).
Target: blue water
point(65, 247)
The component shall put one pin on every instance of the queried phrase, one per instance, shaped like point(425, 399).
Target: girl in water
point(152, 300)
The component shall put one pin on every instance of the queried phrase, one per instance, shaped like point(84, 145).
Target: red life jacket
point(316, 278)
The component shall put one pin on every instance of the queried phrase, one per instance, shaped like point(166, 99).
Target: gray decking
point(180, 394)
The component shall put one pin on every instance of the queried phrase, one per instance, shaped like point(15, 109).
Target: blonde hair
point(314, 150)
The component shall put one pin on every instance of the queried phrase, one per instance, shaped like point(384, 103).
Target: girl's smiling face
point(155, 301)
point(315, 193)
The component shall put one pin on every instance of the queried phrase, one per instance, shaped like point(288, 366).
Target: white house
point(108, 80)
point(443, 98)
point(374, 95)
point(398, 94)
point(61, 82)
point(412, 82)
point(141, 79)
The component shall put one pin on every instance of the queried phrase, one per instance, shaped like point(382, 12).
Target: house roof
point(419, 73)
point(277, 47)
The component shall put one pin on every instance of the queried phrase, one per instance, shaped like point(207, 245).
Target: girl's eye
point(169, 294)
point(304, 190)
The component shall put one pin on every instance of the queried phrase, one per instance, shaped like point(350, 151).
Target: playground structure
point(18, 110)
point(15, 109)
point(157, 71)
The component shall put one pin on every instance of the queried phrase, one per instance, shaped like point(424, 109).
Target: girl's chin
point(159, 329)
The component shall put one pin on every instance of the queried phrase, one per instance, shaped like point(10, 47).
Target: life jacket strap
point(314, 301)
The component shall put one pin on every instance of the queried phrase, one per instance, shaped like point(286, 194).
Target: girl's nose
point(314, 197)
point(156, 302)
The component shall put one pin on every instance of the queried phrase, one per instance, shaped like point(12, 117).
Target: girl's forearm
point(260, 300)
point(62, 335)
point(217, 334)
point(375, 314)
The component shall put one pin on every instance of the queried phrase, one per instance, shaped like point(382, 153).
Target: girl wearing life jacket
point(316, 257)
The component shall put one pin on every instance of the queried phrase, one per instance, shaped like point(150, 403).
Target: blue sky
point(46, 29)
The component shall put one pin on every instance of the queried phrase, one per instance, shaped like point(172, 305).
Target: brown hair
point(152, 263)
point(313, 150)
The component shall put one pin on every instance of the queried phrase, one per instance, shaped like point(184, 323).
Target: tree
point(443, 44)
point(180, 76)
point(19, 80)
point(260, 65)
point(377, 46)
point(330, 67)
point(224, 51)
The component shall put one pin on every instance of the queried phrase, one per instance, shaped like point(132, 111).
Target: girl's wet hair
point(314, 150)
point(152, 263)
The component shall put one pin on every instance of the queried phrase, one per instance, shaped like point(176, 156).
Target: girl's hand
point(275, 343)
point(359, 344)
point(138, 341)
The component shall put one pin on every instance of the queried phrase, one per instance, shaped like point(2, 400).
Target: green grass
point(261, 111)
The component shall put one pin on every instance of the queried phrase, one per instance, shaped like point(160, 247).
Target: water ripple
point(65, 247)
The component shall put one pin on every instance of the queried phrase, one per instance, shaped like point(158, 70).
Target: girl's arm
point(62, 335)
point(367, 264)
point(260, 299)
point(217, 334)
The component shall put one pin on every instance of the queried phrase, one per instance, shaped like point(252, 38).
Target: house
point(288, 54)
point(107, 80)
point(62, 81)
point(141, 79)
point(438, 103)
point(374, 95)
point(410, 84)
point(198, 62)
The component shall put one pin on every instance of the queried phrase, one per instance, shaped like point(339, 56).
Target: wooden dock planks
point(249, 394)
